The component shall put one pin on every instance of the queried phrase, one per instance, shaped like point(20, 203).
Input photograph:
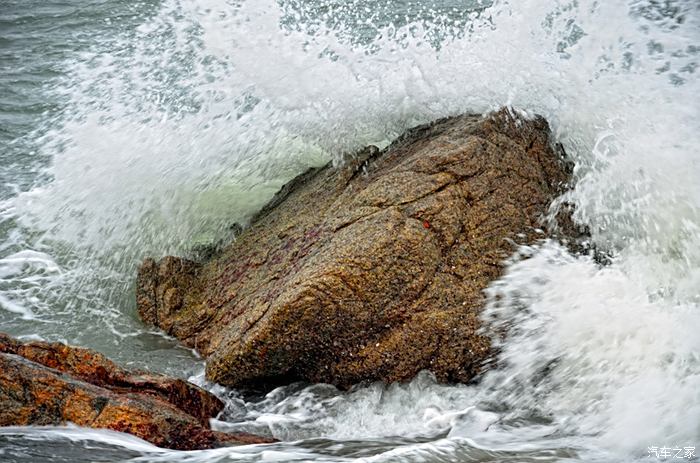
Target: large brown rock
point(51, 383)
point(371, 271)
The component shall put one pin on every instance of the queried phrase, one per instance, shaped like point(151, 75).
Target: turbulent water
point(130, 129)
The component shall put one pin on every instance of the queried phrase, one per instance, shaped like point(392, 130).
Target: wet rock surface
point(371, 271)
point(52, 384)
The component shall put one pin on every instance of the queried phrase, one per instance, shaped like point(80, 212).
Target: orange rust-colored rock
point(50, 384)
point(371, 271)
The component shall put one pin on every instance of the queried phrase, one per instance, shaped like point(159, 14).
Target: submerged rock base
point(371, 271)
point(51, 384)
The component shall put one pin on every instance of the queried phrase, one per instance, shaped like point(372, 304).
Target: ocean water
point(132, 129)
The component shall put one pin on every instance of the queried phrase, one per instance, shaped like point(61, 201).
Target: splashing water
point(192, 115)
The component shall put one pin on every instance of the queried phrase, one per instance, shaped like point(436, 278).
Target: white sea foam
point(77, 434)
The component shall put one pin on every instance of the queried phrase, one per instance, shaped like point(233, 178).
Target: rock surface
point(371, 271)
point(50, 384)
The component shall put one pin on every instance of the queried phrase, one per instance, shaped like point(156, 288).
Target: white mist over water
point(191, 122)
point(210, 101)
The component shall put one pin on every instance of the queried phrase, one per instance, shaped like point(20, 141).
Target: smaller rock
point(51, 384)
